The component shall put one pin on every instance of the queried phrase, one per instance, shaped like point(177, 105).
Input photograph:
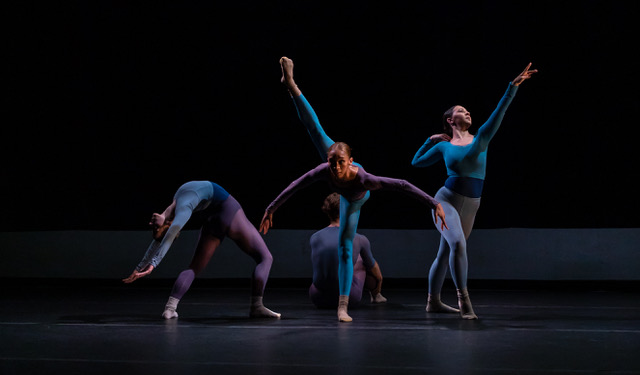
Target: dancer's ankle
point(464, 302)
point(258, 310)
point(377, 298)
point(170, 308)
point(343, 303)
point(286, 66)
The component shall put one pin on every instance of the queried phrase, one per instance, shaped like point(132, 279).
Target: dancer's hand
point(526, 74)
point(157, 220)
point(443, 137)
point(135, 275)
point(439, 213)
point(266, 223)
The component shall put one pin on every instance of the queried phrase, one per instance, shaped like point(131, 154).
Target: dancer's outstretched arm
point(158, 249)
point(372, 182)
point(490, 127)
point(306, 114)
point(305, 180)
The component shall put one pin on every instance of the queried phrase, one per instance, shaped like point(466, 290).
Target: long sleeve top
point(351, 190)
point(469, 160)
point(191, 197)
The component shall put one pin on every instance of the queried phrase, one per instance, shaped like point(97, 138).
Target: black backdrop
point(110, 106)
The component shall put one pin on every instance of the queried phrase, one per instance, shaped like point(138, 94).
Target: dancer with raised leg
point(345, 177)
point(224, 218)
point(465, 157)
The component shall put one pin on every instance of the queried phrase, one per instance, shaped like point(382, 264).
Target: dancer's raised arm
point(490, 127)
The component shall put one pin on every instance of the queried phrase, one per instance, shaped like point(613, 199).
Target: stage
point(103, 327)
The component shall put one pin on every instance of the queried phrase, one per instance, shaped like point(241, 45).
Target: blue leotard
point(191, 197)
point(466, 165)
point(460, 197)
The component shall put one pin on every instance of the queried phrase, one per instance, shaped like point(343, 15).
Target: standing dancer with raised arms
point(224, 218)
point(345, 177)
point(465, 157)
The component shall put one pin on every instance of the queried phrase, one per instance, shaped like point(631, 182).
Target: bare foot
point(286, 66)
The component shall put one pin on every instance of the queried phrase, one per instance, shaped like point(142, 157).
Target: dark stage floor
point(68, 328)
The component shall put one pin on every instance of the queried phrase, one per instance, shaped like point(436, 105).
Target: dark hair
point(445, 124)
point(331, 206)
point(340, 146)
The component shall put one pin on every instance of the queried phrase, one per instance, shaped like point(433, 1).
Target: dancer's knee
point(346, 251)
point(459, 246)
point(264, 258)
point(195, 268)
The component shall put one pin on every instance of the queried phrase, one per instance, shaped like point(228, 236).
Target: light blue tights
point(460, 212)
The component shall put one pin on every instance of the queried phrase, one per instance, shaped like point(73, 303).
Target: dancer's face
point(339, 164)
point(461, 118)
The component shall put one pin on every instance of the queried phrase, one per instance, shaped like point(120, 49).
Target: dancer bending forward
point(345, 177)
point(224, 217)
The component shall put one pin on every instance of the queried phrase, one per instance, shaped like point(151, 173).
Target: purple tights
point(227, 220)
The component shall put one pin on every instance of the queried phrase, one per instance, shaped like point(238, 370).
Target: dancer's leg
point(437, 274)
point(373, 283)
point(455, 242)
point(305, 112)
point(245, 235)
point(357, 283)
point(310, 120)
point(463, 209)
point(207, 245)
point(349, 216)
point(440, 265)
